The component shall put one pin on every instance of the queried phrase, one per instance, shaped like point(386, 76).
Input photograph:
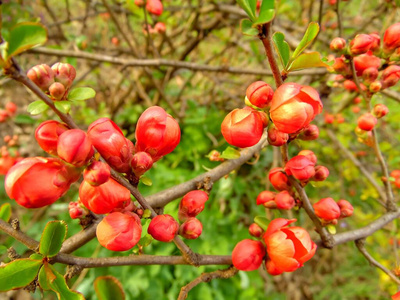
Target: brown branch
point(206, 277)
point(166, 63)
point(391, 94)
point(361, 247)
point(81, 238)
point(19, 236)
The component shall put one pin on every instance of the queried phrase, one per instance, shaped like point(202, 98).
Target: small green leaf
point(262, 222)
point(24, 36)
point(63, 106)
point(37, 107)
point(24, 119)
point(146, 181)
point(249, 7)
point(247, 29)
point(5, 212)
point(36, 256)
point(282, 48)
point(146, 213)
point(265, 17)
point(3, 249)
point(146, 240)
point(18, 273)
point(331, 228)
point(108, 287)
point(266, 5)
point(52, 238)
point(230, 153)
point(309, 36)
point(50, 279)
point(81, 93)
point(307, 60)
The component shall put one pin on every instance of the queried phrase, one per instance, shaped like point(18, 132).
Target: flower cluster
point(8, 112)
point(9, 154)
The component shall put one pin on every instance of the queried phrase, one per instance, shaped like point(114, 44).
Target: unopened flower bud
point(77, 211)
point(48, 133)
point(310, 155)
point(160, 27)
point(259, 94)
point(327, 209)
point(350, 86)
point(346, 209)
point(42, 76)
point(275, 137)
point(163, 228)
point(74, 147)
point(265, 197)
point(391, 75)
point(255, 230)
point(367, 122)
point(338, 44)
point(340, 66)
point(321, 173)
point(141, 162)
point(370, 74)
point(97, 173)
point(300, 167)
point(366, 61)
point(376, 44)
point(310, 133)
point(248, 255)
point(380, 110)
point(361, 44)
point(191, 229)
point(192, 204)
point(57, 90)
point(284, 200)
point(64, 73)
point(139, 3)
point(391, 39)
point(11, 108)
point(154, 7)
point(375, 87)
point(278, 179)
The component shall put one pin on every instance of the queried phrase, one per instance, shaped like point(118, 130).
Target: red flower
point(111, 143)
point(97, 173)
point(391, 39)
point(119, 231)
point(365, 61)
point(391, 75)
point(192, 204)
point(294, 106)
point(141, 162)
point(300, 167)
point(288, 247)
point(104, 198)
point(346, 209)
point(36, 181)
point(248, 255)
point(243, 127)
point(75, 147)
point(278, 179)
point(310, 133)
point(321, 173)
point(259, 94)
point(265, 197)
point(367, 122)
point(163, 228)
point(191, 229)
point(327, 209)
point(47, 135)
point(284, 200)
point(154, 7)
point(275, 137)
point(361, 43)
point(157, 133)
point(310, 155)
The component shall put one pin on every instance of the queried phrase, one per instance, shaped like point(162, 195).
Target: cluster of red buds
point(330, 211)
point(55, 81)
point(375, 64)
point(154, 7)
point(287, 248)
point(8, 111)
point(291, 108)
point(159, 28)
point(9, 154)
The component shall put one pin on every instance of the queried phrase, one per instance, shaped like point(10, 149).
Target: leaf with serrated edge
point(37, 107)
point(246, 5)
point(5, 212)
point(246, 27)
point(108, 287)
point(307, 60)
point(282, 48)
point(81, 94)
point(18, 273)
point(24, 36)
point(52, 238)
point(309, 36)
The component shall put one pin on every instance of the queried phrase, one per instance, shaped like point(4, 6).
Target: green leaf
point(36, 256)
point(249, 7)
point(24, 36)
point(52, 238)
point(3, 249)
point(24, 119)
point(50, 279)
point(282, 48)
point(81, 93)
point(262, 222)
point(309, 36)
point(18, 273)
point(230, 153)
point(331, 228)
point(108, 287)
point(266, 5)
point(5, 212)
point(63, 106)
point(146, 240)
point(146, 181)
point(307, 60)
point(246, 26)
point(265, 17)
point(146, 213)
point(37, 107)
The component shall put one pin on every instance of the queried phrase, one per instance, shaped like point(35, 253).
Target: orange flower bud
point(11, 108)
point(57, 90)
point(310, 133)
point(64, 73)
point(160, 27)
point(42, 76)
point(75, 147)
point(243, 127)
point(272, 269)
point(367, 122)
point(284, 201)
point(191, 229)
point(163, 228)
point(370, 75)
point(375, 86)
point(248, 255)
point(337, 44)
point(260, 94)
point(321, 173)
point(380, 110)
point(157, 133)
point(391, 75)
point(192, 204)
point(346, 209)
point(391, 39)
point(255, 230)
point(340, 66)
point(47, 135)
point(310, 155)
point(154, 7)
point(361, 44)
point(141, 162)
point(36, 181)
point(350, 86)
point(300, 167)
point(104, 198)
point(294, 106)
point(288, 247)
point(275, 137)
point(278, 179)
point(6, 162)
point(77, 210)
point(97, 173)
point(365, 61)
point(327, 209)
point(119, 231)
point(265, 197)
